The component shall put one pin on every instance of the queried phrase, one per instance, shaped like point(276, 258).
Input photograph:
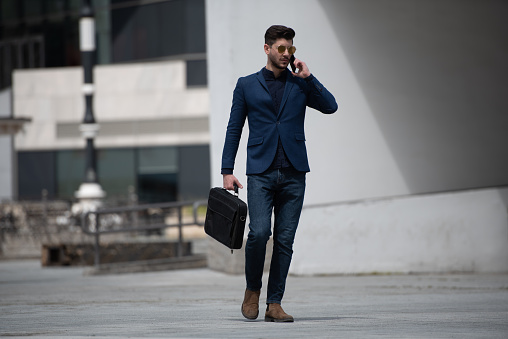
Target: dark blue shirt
point(276, 88)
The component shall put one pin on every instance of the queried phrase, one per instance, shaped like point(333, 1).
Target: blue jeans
point(280, 191)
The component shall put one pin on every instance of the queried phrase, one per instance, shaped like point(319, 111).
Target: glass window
point(157, 187)
point(157, 174)
point(116, 172)
point(32, 8)
point(158, 160)
point(55, 6)
point(195, 26)
point(194, 177)
point(157, 30)
point(76, 5)
point(36, 171)
point(70, 172)
point(8, 10)
point(160, 174)
point(196, 73)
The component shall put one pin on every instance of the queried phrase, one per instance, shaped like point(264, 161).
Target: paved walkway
point(62, 302)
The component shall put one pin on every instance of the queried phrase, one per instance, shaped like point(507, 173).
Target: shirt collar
point(268, 75)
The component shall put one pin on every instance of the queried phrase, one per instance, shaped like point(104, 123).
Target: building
point(410, 175)
point(151, 99)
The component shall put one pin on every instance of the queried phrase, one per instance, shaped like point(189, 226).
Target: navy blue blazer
point(252, 101)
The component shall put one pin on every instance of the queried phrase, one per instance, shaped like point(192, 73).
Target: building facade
point(151, 100)
point(411, 173)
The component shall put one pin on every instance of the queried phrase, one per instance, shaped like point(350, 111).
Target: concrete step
point(175, 263)
point(114, 252)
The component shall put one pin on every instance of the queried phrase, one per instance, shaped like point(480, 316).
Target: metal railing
point(112, 220)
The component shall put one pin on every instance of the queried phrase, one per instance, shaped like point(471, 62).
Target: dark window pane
point(70, 172)
point(158, 30)
point(196, 73)
point(194, 175)
point(32, 8)
point(157, 187)
point(36, 171)
point(116, 172)
point(173, 29)
point(157, 174)
point(55, 6)
point(9, 10)
point(157, 160)
point(195, 26)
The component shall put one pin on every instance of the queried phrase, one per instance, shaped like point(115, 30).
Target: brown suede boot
point(275, 313)
point(250, 305)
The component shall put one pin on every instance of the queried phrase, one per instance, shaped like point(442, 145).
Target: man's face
point(279, 60)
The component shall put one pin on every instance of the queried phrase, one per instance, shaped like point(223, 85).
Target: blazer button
point(278, 122)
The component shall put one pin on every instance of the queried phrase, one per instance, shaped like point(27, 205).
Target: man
point(274, 101)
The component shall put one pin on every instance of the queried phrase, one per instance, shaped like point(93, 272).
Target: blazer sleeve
point(319, 97)
point(235, 127)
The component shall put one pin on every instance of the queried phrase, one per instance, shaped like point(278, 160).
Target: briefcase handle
point(235, 186)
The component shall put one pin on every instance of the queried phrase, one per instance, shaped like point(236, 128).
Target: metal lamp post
point(90, 191)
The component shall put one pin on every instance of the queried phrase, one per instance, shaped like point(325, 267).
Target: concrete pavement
point(200, 303)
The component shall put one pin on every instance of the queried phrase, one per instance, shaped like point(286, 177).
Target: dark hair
point(276, 32)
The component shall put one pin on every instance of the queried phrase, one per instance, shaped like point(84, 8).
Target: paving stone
point(54, 302)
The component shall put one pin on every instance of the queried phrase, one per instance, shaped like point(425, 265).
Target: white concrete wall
point(6, 175)
point(422, 98)
point(47, 96)
point(459, 232)
point(126, 95)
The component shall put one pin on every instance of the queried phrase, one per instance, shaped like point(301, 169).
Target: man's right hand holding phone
point(302, 71)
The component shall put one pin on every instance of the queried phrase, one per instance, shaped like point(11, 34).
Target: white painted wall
point(459, 232)
point(47, 96)
point(419, 84)
point(124, 93)
point(6, 175)
point(236, 37)
point(422, 95)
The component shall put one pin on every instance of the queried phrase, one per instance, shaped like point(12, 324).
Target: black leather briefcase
point(225, 217)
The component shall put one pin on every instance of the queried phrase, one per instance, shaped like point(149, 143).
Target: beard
point(278, 62)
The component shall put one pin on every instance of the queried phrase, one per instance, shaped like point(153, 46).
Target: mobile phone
point(292, 62)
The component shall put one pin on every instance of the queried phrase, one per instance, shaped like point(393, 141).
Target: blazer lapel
point(261, 79)
point(287, 89)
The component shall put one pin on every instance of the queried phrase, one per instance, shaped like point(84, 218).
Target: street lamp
point(90, 191)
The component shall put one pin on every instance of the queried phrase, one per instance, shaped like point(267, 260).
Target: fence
point(140, 218)
point(28, 226)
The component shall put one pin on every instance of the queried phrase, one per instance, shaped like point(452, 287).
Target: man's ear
point(267, 49)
